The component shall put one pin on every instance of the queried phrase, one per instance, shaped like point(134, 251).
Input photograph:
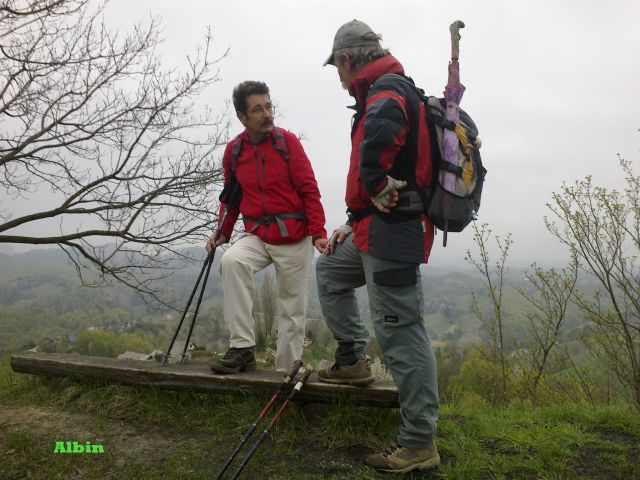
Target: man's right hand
point(215, 241)
point(339, 235)
point(388, 196)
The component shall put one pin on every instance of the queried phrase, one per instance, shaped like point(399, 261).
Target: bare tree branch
point(130, 161)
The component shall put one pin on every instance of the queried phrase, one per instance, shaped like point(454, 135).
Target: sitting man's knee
point(230, 261)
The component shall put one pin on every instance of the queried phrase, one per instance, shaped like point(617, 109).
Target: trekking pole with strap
point(274, 420)
point(207, 264)
point(287, 380)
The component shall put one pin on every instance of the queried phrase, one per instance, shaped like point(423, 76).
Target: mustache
point(266, 123)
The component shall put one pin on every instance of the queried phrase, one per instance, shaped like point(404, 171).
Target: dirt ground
point(132, 451)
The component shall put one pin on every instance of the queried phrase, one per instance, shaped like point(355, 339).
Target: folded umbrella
point(453, 95)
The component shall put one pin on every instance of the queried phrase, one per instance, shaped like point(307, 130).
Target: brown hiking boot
point(234, 361)
point(397, 459)
point(358, 374)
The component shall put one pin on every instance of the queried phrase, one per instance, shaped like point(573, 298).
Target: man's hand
point(320, 244)
point(215, 241)
point(388, 196)
point(339, 235)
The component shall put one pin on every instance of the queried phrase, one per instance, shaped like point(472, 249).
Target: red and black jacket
point(280, 197)
point(389, 137)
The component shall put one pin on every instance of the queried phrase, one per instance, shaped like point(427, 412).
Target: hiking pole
point(287, 379)
point(195, 313)
point(274, 420)
point(207, 264)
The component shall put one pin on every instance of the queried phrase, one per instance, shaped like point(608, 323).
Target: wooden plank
point(196, 377)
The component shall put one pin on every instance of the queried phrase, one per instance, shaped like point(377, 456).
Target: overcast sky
point(552, 86)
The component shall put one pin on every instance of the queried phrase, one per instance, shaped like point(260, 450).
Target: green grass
point(150, 433)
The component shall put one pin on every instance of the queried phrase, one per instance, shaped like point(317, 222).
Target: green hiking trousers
point(396, 304)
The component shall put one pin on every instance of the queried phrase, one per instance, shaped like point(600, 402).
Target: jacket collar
point(360, 86)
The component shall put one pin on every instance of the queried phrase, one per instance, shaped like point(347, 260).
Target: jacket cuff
point(373, 190)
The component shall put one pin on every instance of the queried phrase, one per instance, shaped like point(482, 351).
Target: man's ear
point(242, 117)
point(345, 60)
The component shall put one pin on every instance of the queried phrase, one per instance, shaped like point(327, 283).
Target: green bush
point(482, 377)
point(102, 343)
point(135, 342)
point(98, 343)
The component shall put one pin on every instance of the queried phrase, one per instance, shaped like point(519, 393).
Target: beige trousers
point(249, 255)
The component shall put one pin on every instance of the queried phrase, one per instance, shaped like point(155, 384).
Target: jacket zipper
point(264, 169)
point(264, 210)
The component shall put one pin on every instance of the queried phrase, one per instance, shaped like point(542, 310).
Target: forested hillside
point(42, 300)
point(44, 305)
point(41, 297)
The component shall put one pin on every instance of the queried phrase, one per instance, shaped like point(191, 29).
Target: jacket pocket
point(397, 237)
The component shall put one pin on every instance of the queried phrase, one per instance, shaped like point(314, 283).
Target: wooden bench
point(196, 377)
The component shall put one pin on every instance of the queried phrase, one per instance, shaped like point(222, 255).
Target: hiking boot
point(397, 459)
point(234, 361)
point(358, 374)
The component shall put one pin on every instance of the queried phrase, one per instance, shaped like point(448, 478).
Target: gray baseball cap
point(353, 34)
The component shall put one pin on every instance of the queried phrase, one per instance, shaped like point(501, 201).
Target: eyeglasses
point(258, 109)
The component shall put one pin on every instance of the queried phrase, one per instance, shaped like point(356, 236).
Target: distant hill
point(41, 295)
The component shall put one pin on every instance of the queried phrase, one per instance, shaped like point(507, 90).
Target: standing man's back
point(383, 243)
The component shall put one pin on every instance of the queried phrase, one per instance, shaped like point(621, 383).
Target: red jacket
point(385, 142)
point(272, 186)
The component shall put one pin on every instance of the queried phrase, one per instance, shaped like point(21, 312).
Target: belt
point(269, 219)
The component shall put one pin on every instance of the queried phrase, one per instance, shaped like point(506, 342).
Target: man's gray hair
point(362, 56)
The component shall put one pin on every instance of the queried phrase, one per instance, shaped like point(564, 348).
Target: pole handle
point(303, 379)
point(292, 373)
point(454, 29)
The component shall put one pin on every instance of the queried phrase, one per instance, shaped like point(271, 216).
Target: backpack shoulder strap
point(236, 148)
point(232, 193)
point(280, 144)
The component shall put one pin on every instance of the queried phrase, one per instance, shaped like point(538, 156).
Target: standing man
point(283, 220)
point(383, 243)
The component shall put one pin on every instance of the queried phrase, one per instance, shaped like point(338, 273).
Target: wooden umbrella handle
point(454, 28)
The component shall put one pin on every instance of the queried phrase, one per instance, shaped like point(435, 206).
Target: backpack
point(456, 192)
point(231, 195)
point(453, 199)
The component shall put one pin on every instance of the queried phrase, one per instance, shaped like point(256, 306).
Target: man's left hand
point(320, 244)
